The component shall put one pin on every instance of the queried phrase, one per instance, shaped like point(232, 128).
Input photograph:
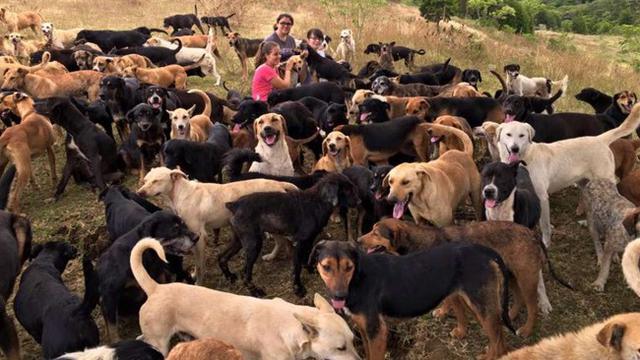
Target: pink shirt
point(261, 83)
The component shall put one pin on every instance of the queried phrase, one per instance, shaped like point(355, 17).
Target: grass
point(589, 61)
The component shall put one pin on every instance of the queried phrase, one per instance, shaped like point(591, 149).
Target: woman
point(280, 36)
point(266, 77)
point(314, 39)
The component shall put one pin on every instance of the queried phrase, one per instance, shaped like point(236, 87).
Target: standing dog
point(147, 136)
point(346, 49)
point(63, 39)
point(244, 48)
point(217, 21)
point(524, 86)
point(186, 126)
point(18, 21)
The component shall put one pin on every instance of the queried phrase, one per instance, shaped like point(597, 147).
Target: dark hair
point(264, 49)
point(280, 17)
point(316, 33)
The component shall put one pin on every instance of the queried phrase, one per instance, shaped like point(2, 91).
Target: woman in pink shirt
point(266, 76)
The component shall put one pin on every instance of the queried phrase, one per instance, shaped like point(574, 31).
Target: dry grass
point(79, 217)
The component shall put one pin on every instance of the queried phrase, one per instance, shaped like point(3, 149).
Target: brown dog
point(244, 48)
point(207, 348)
point(186, 126)
point(68, 84)
point(475, 110)
point(166, 76)
point(518, 246)
point(433, 190)
point(196, 41)
point(624, 154)
point(18, 21)
point(33, 136)
point(629, 187)
point(115, 65)
point(444, 138)
point(336, 153)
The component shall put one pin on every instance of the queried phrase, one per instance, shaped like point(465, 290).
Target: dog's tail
point(630, 265)
point(205, 99)
point(8, 336)
point(196, 64)
point(626, 128)
point(495, 257)
point(501, 80)
point(234, 159)
point(419, 52)
point(224, 86)
point(552, 270)
point(562, 82)
point(466, 141)
point(197, 20)
point(141, 275)
point(5, 185)
point(563, 89)
point(148, 62)
point(177, 50)
point(91, 292)
point(230, 15)
point(195, 9)
point(158, 30)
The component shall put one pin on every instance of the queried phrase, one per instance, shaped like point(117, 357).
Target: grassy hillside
point(589, 61)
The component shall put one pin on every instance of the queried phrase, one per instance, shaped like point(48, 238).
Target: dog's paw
point(598, 286)
point(269, 257)
point(458, 333)
point(545, 308)
point(523, 332)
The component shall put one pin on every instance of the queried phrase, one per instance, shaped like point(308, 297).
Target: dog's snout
point(180, 126)
point(489, 192)
point(515, 149)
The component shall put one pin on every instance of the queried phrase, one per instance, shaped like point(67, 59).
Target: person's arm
point(280, 83)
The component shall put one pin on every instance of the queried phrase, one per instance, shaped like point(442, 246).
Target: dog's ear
point(24, 236)
point(611, 335)
point(322, 304)
point(130, 116)
point(176, 174)
point(479, 76)
point(531, 131)
point(109, 60)
point(424, 174)
point(255, 127)
point(284, 124)
point(348, 149)
point(385, 182)
point(304, 54)
point(329, 193)
point(398, 239)
point(313, 255)
point(424, 104)
point(35, 251)
point(392, 44)
point(170, 112)
point(22, 71)
point(191, 110)
point(19, 96)
point(325, 146)
point(630, 220)
point(309, 325)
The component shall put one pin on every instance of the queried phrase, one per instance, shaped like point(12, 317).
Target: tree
point(504, 16)
point(436, 10)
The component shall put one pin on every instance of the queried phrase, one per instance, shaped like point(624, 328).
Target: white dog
point(346, 49)
point(526, 86)
point(270, 130)
point(555, 166)
point(59, 38)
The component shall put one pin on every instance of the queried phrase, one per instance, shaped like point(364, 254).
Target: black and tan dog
point(368, 286)
point(183, 21)
point(217, 21)
point(146, 138)
point(384, 86)
point(475, 110)
point(621, 106)
point(398, 53)
point(379, 141)
point(244, 48)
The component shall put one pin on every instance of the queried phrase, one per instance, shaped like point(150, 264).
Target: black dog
point(302, 214)
point(397, 52)
point(158, 55)
point(326, 91)
point(200, 161)
point(120, 96)
point(537, 104)
point(109, 39)
point(509, 186)
point(93, 145)
point(373, 110)
point(475, 110)
point(382, 207)
point(146, 138)
point(445, 72)
point(113, 267)
point(327, 116)
point(15, 245)
point(98, 113)
point(183, 21)
point(63, 56)
point(598, 100)
point(55, 317)
point(300, 124)
point(182, 32)
point(248, 111)
point(234, 98)
point(472, 76)
point(327, 68)
point(368, 285)
point(217, 21)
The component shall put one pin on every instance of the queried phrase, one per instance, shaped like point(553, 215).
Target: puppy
point(186, 126)
point(273, 329)
point(336, 153)
point(270, 129)
point(346, 49)
point(56, 318)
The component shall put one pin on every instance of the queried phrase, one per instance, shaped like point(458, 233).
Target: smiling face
point(405, 181)
point(180, 122)
point(159, 181)
point(625, 101)
point(269, 128)
point(336, 144)
point(513, 140)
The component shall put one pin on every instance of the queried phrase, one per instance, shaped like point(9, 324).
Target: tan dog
point(259, 328)
point(166, 76)
point(68, 84)
point(433, 190)
point(21, 48)
point(202, 204)
point(18, 21)
point(8, 59)
point(186, 126)
point(270, 130)
point(196, 41)
point(57, 37)
point(444, 138)
point(207, 348)
point(46, 67)
point(462, 89)
point(33, 136)
point(116, 65)
point(489, 131)
point(336, 153)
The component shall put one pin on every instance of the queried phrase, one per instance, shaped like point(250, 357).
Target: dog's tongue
point(509, 118)
point(513, 158)
point(364, 116)
point(236, 128)
point(270, 139)
point(435, 139)
point(398, 209)
point(489, 203)
point(337, 304)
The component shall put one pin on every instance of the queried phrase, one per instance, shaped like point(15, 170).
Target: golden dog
point(18, 21)
point(165, 76)
point(207, 348)
point(271, 130)
point(33, 136)
point(20, 48)
point(336, 153)
point(196, 41)
point(68, 84)
point(444, 138)
point(186, 126)
point(116, 65)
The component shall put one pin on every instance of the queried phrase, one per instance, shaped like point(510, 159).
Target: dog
point(534, 104)
point(326, 91)
point(160, 56)
point(624, 155)
point(217, 21)
point(127, 349)
point(83, 82)
point(621, 106)
point(336, 153)
point(15, 242)
point(109, 39)
point(114, 271)
point(382, 85)
point(146, 138)
point(91, 144)
point(63, 39)
point(116, 65)
point(610, 217)
point(33, 136)
point(21, 48)
point(244, 48)
point(18, 21)
point(188, 41)
point(398, 53)
point(378, 142)
point(165, 76)
point(200, 161)
point(55, 317)
point(326, 68)
point(524, 86)
point(472, 77)
point(120, 96)
point(271, 129)
point(386, 59)
point(590, 157)
point(202, 204)
point(509, 240)
point(476, 110)
point(183, 21)
point(367, 286)
point(186, 126)
point(598, 100)
point(302, 215)
point(455, 176)
point(442, 136)
point(327, 116)
point(346, 49)
point(208, 348)
point(373, 110)
point(291, 338)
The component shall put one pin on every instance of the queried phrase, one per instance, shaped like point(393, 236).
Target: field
point(588, 60)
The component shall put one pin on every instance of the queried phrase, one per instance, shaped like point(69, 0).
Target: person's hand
point(288, 66)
